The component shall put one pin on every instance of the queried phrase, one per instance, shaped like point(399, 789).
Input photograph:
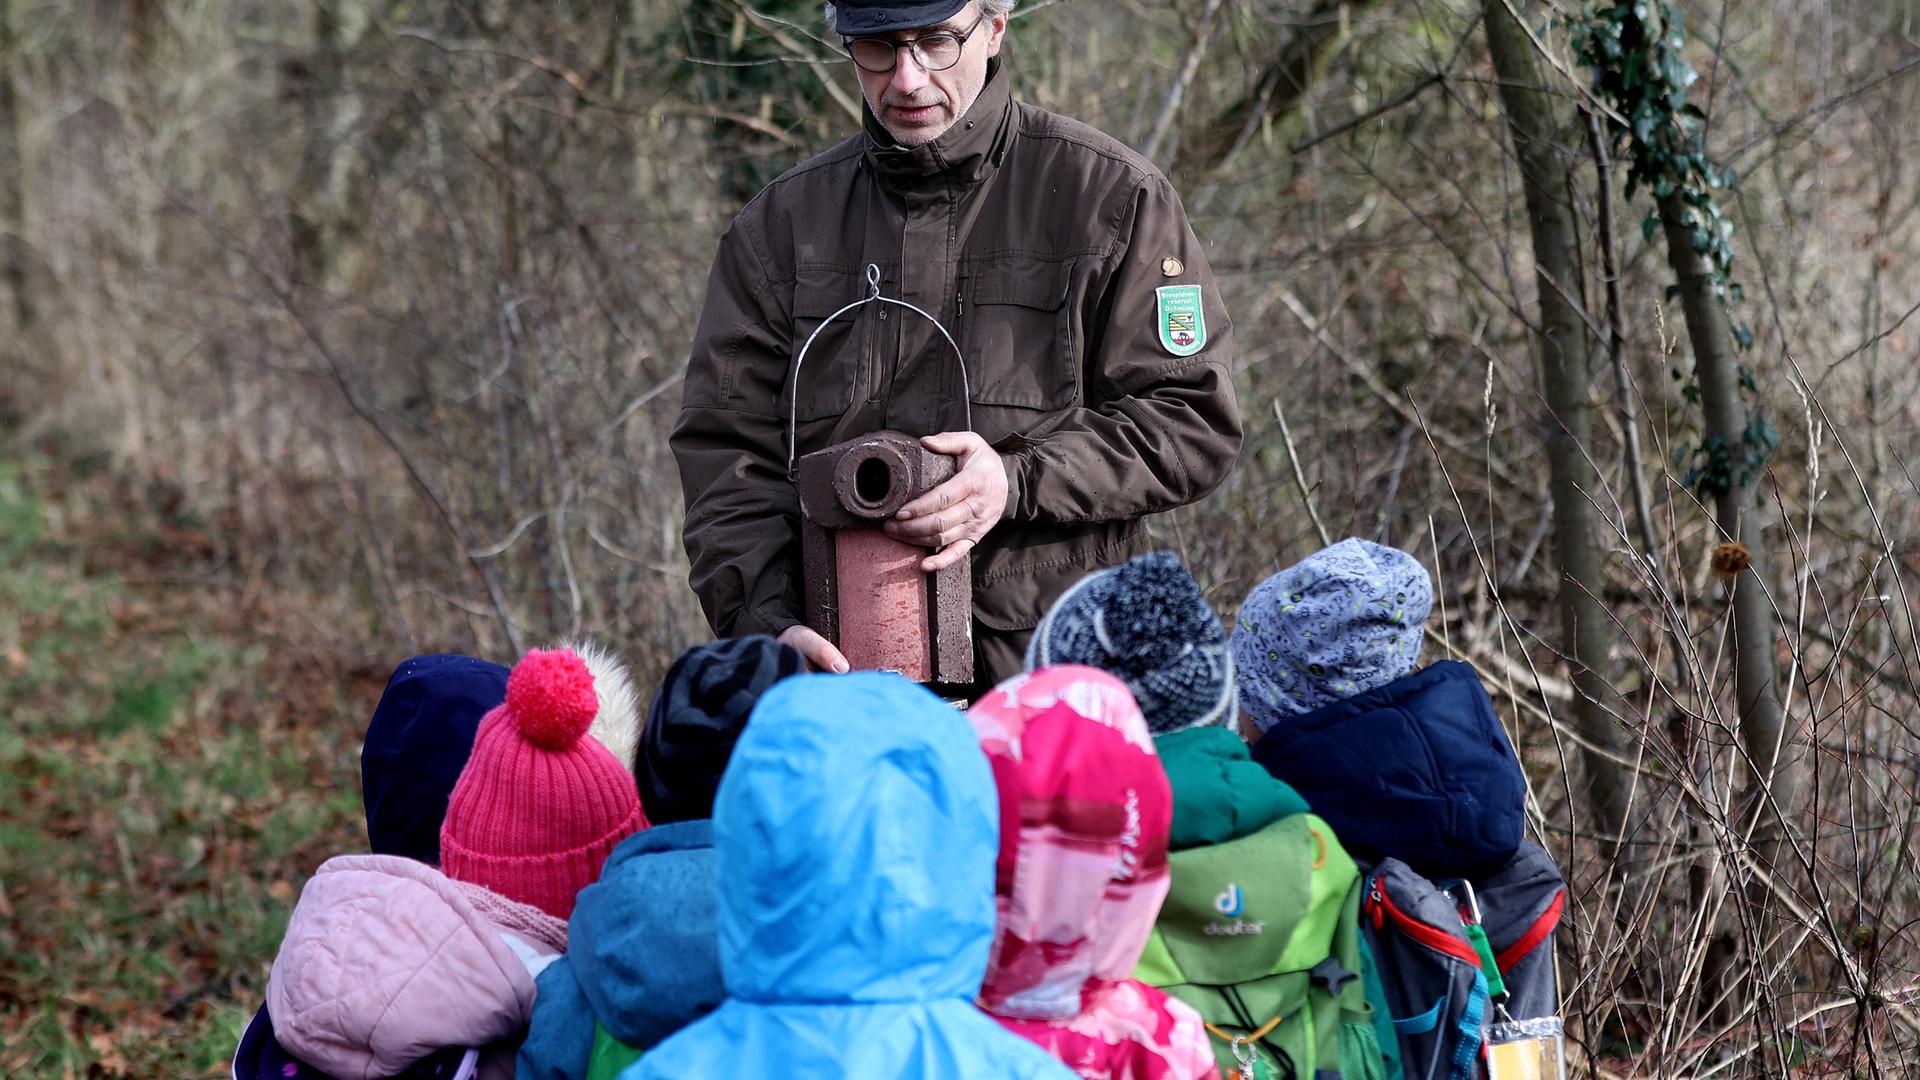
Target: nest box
point(865, 590)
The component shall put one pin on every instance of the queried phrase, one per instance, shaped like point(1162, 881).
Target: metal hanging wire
point(873, 296)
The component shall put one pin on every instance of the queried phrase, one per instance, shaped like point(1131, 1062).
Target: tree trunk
point(1547, 145)
point(1280, 90)
point(13, 177)
point(1763, 733)
point(310, 213)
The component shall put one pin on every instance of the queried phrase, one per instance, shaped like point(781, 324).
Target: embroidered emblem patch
point(1181, 320)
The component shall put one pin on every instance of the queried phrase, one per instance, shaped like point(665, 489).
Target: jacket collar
point(969, 151)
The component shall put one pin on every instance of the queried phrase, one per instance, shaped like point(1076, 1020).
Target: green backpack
point(1260, 934)
point(610, 1056)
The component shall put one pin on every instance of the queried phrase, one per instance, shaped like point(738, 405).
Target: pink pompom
point(550, 698)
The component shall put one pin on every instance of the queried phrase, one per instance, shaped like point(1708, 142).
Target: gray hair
point(988, 8)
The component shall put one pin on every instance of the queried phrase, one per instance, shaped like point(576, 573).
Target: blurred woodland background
point(337, 330)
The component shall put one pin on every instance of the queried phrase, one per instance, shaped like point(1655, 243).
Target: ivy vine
point(1636, 50)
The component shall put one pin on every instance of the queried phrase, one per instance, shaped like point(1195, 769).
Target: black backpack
point(1456, 956)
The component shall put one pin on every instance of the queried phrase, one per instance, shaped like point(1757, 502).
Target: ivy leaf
point(1672, 292)
point(1743, 336)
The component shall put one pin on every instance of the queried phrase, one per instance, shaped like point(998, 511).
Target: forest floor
point(179, 753)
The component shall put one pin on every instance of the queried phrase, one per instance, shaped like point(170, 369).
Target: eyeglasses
point(936, 51)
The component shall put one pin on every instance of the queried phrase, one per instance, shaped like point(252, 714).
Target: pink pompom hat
point(540, 804)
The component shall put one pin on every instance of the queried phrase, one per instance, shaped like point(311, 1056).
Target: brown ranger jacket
point(1043, 245)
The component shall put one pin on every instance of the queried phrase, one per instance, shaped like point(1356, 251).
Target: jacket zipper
point(1535, 934)
point(1381, 907)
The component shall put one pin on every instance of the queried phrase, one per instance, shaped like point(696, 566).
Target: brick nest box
point(865, 590)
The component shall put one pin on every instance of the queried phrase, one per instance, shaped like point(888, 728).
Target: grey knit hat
point(1146, 622)
point(1341, 621)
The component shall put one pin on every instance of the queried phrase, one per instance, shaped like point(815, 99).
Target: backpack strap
point(1241, 1044)
point(1466, 1052)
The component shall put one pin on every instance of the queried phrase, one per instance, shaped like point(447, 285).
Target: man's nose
point(908, 75)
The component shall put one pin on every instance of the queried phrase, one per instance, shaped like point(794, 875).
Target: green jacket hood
point(1219, 792)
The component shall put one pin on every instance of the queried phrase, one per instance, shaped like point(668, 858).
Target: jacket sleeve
point(1158, 430)
point(742, 528)
point(559, 1039)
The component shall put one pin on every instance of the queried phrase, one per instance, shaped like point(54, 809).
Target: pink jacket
point(1084, 816)
point(387, 960)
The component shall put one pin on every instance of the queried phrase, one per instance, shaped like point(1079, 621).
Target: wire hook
point(873, 297)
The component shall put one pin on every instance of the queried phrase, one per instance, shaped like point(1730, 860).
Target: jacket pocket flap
point(820, 291)
point(1029, 283)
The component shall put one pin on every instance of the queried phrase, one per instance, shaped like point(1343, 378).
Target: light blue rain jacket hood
point(855, 834)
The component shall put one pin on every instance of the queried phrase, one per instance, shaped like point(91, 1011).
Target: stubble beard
point(914, 138)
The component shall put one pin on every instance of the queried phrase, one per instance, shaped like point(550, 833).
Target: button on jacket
point(1050, 250)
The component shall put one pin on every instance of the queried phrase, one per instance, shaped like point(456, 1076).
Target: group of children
point(1139, 859)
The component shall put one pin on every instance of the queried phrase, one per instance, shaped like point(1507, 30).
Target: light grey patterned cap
point(1341, 621)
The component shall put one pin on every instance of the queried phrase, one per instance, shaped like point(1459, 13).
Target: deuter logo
point(1230, 904)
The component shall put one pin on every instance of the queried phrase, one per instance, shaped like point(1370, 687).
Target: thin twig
point(1823, 107)
point(1170, 106)
point(1430, 79)
point(1300, 478)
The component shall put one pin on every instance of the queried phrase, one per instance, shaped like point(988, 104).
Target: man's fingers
point(952, 443)
point(962, 486)
point(934, 529)
point(946, 556)
point(817, 651)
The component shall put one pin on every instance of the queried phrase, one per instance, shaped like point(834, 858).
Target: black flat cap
point(856, 18)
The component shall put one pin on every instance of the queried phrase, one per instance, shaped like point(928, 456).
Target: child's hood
point(854, 835)
point(642, 939)
point(385, 961)
point(1219, 792)
point(1418, 769)
point(1084, 812)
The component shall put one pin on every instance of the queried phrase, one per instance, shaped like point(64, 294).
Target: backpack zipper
point(1381, 907)
point(1535, 934)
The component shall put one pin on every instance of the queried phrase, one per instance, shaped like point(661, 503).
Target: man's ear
point(996, 31)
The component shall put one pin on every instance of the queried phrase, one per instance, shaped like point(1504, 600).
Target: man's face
point(917, 106)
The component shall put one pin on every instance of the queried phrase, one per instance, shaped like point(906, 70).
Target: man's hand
point(954, 516)
point(817, 651)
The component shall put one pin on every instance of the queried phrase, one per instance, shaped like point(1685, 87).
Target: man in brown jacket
point(1097, 352)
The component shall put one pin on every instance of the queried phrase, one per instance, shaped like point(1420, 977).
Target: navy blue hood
point(417, 742)
point(1418, 769)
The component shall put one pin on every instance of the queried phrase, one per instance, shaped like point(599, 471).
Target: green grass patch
point(165, 788)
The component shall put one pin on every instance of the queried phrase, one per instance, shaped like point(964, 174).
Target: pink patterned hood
point(1084, 812)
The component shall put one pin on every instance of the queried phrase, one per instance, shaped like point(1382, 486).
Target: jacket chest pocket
point(1017, 334)
point(840, 357)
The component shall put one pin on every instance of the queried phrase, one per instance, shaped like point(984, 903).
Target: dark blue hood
point(1418, 769)
point(642, 941)
point(417, 743)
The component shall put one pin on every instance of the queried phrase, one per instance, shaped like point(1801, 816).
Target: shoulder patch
point(1180, 319)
